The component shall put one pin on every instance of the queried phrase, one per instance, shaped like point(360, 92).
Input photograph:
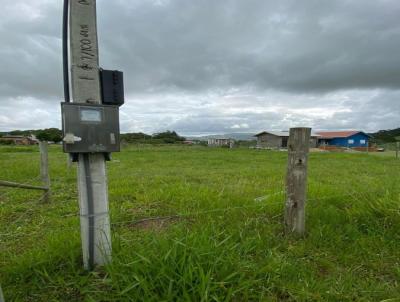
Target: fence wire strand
point(276, 195)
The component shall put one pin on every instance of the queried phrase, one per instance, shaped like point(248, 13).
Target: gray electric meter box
point(90, 128)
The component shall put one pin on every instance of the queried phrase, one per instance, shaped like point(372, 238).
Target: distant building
point(347, 139)
point(219, 142)
point(189, 142)
point(19, 139)
point(279, 139)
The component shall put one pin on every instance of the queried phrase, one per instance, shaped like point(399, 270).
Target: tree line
point(386, 136)
point(55, 135)
point(166, 137)
point(49, 134)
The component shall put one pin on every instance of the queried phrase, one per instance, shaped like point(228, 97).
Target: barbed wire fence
point(30, 183)
point(321, 188)
point(276, 196)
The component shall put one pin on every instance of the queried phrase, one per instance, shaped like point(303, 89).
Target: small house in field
point(220, 142)
point(345, 139)
point(19, 139)
point(279, 139)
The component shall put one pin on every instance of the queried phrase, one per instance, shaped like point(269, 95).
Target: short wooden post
point(296, 180)
point(44, 168)
point(1, 295)
point(397, 149)
point(69, 161)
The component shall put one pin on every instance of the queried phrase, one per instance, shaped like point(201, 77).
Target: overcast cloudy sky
point(201, 67)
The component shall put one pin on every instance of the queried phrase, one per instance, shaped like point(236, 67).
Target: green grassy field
point(386, 153)
point(225, 244)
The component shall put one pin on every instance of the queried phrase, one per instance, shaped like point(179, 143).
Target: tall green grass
point(220, 243)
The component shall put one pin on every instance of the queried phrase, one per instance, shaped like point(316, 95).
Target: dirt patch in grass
point(149, 209)
point(156, 223)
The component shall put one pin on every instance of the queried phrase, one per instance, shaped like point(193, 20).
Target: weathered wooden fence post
point(69, 161)
point(296, 180)
point(44, 168)
point(397, 149)
point(1, 295)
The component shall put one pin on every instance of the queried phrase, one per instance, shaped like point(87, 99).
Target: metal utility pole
point(296, 180)
point(92, 178)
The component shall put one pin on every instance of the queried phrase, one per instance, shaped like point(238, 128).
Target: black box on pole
point(112, 87)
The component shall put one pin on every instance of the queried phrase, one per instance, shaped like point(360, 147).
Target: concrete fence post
point(296, 180)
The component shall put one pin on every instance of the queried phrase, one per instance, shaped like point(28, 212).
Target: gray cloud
point(316, 45)
point(215, 66)
point(30, 50)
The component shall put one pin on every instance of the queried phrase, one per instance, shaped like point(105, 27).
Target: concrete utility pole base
point(296, 180)
point(92, 179)
point(94, 216)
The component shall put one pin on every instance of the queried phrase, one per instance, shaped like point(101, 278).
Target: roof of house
point(281, 133)
point(276, 133)
point(340, 134)
point(14, 136)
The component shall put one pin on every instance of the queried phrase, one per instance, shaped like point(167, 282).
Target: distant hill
point(235, 136)
point(386, 136)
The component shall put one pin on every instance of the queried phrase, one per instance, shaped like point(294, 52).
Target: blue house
point(347, 139)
